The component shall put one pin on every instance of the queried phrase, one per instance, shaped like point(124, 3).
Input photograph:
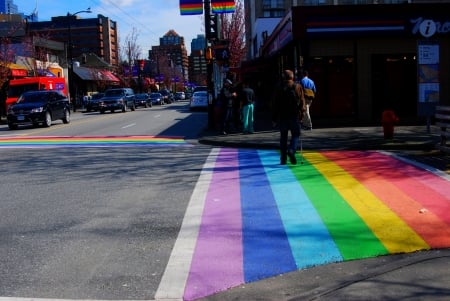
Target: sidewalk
point(413, 142)
point(415, 276)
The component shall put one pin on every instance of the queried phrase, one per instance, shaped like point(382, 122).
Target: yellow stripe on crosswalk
point(392, 231)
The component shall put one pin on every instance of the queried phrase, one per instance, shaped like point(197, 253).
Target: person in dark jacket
point(289, 107)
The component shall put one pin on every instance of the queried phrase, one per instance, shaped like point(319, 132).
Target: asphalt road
point(96, 222)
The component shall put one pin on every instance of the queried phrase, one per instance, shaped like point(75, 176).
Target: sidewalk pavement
point(421, 275)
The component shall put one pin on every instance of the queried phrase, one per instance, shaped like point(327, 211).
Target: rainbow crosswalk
point(90, 141)
point(260, 219)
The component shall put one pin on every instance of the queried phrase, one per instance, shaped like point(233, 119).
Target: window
point(273, 8)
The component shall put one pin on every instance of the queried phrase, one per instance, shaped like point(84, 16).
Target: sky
point(151, 18)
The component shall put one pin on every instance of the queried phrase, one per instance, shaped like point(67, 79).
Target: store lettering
point(428, 27)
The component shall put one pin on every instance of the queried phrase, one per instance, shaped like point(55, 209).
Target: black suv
point(39, 107)
point(117, 99)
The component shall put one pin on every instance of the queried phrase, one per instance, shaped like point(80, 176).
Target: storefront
point(91, 80)
point(363, 58)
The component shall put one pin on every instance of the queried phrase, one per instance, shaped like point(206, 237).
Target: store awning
point(95, 74)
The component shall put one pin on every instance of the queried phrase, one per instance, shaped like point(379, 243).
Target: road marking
point(90, 141)
point(174, 279)
point(129, 125)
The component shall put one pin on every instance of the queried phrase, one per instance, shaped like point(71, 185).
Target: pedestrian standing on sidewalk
point(247, 98)
point(310, 93)
point(289, 107)
point(227, 95)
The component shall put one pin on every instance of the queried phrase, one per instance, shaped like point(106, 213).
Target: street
point(130, 211)
point(96, 222)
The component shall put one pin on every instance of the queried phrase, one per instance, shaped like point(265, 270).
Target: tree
point(130, 50)
point(129, 53)
point(231, 31)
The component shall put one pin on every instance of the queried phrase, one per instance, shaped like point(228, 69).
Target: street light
point(70, 74)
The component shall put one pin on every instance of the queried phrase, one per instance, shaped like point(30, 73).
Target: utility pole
point(209, 66)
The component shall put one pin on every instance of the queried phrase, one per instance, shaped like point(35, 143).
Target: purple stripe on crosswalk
point(220, 235)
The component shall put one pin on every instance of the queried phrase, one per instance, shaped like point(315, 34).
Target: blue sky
point(151, 18)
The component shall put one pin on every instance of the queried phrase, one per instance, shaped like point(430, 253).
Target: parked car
point(117, 99)
point(180, 96)
point(156, 98)
point(92, 104)
point(167, 96)
point(142, 100)
point(39, 107)
point(199, 100)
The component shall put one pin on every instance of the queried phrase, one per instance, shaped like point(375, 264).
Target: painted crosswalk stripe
point(299, 217)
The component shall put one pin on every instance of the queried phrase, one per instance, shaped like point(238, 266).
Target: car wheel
point(12, 126)
point(102, 111)
point(48, 119)
point(66, 118)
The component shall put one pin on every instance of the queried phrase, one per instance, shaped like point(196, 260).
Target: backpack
point(292, 103)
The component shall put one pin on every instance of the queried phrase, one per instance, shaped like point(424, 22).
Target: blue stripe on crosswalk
point(266, 247)
point(309, 238)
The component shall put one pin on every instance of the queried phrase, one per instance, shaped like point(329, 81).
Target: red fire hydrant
point(388, 120)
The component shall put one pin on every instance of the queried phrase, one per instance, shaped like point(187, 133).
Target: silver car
point(199, 100)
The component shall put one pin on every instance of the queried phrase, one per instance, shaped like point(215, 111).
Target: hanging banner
point(222, 7)
point(191, 7)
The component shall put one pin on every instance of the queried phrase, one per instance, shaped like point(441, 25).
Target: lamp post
point(70, 46)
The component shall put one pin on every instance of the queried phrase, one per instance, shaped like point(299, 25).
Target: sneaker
point(292, 158)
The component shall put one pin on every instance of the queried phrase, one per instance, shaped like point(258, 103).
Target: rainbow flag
point(222, 7)
point(191, 7)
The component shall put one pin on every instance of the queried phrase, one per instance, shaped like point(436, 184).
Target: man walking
point(310, 92)
point(289, 107)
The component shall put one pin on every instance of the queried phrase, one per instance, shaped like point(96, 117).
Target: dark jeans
point(227, 118)
point(292, 125)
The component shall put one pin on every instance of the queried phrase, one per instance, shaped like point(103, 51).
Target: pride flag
point(221, 7)
point(191, 7)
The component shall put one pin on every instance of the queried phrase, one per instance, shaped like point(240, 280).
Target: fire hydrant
point(388, 120)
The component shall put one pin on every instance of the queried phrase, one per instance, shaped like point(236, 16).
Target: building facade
point(8, 7)
point(94, 35)
point(197, 61)
point(169, 62)
point(364, 58)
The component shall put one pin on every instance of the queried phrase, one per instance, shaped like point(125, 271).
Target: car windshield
point(141, 96)
point(114, 93)
point(33, 98)
point(155, 95)
point(97, 96)
point(201, 94)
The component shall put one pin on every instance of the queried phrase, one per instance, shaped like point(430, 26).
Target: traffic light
point(208, 54)
point(214, 27)
point(222, 54)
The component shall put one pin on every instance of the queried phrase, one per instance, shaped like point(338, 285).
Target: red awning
point(109, 76)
